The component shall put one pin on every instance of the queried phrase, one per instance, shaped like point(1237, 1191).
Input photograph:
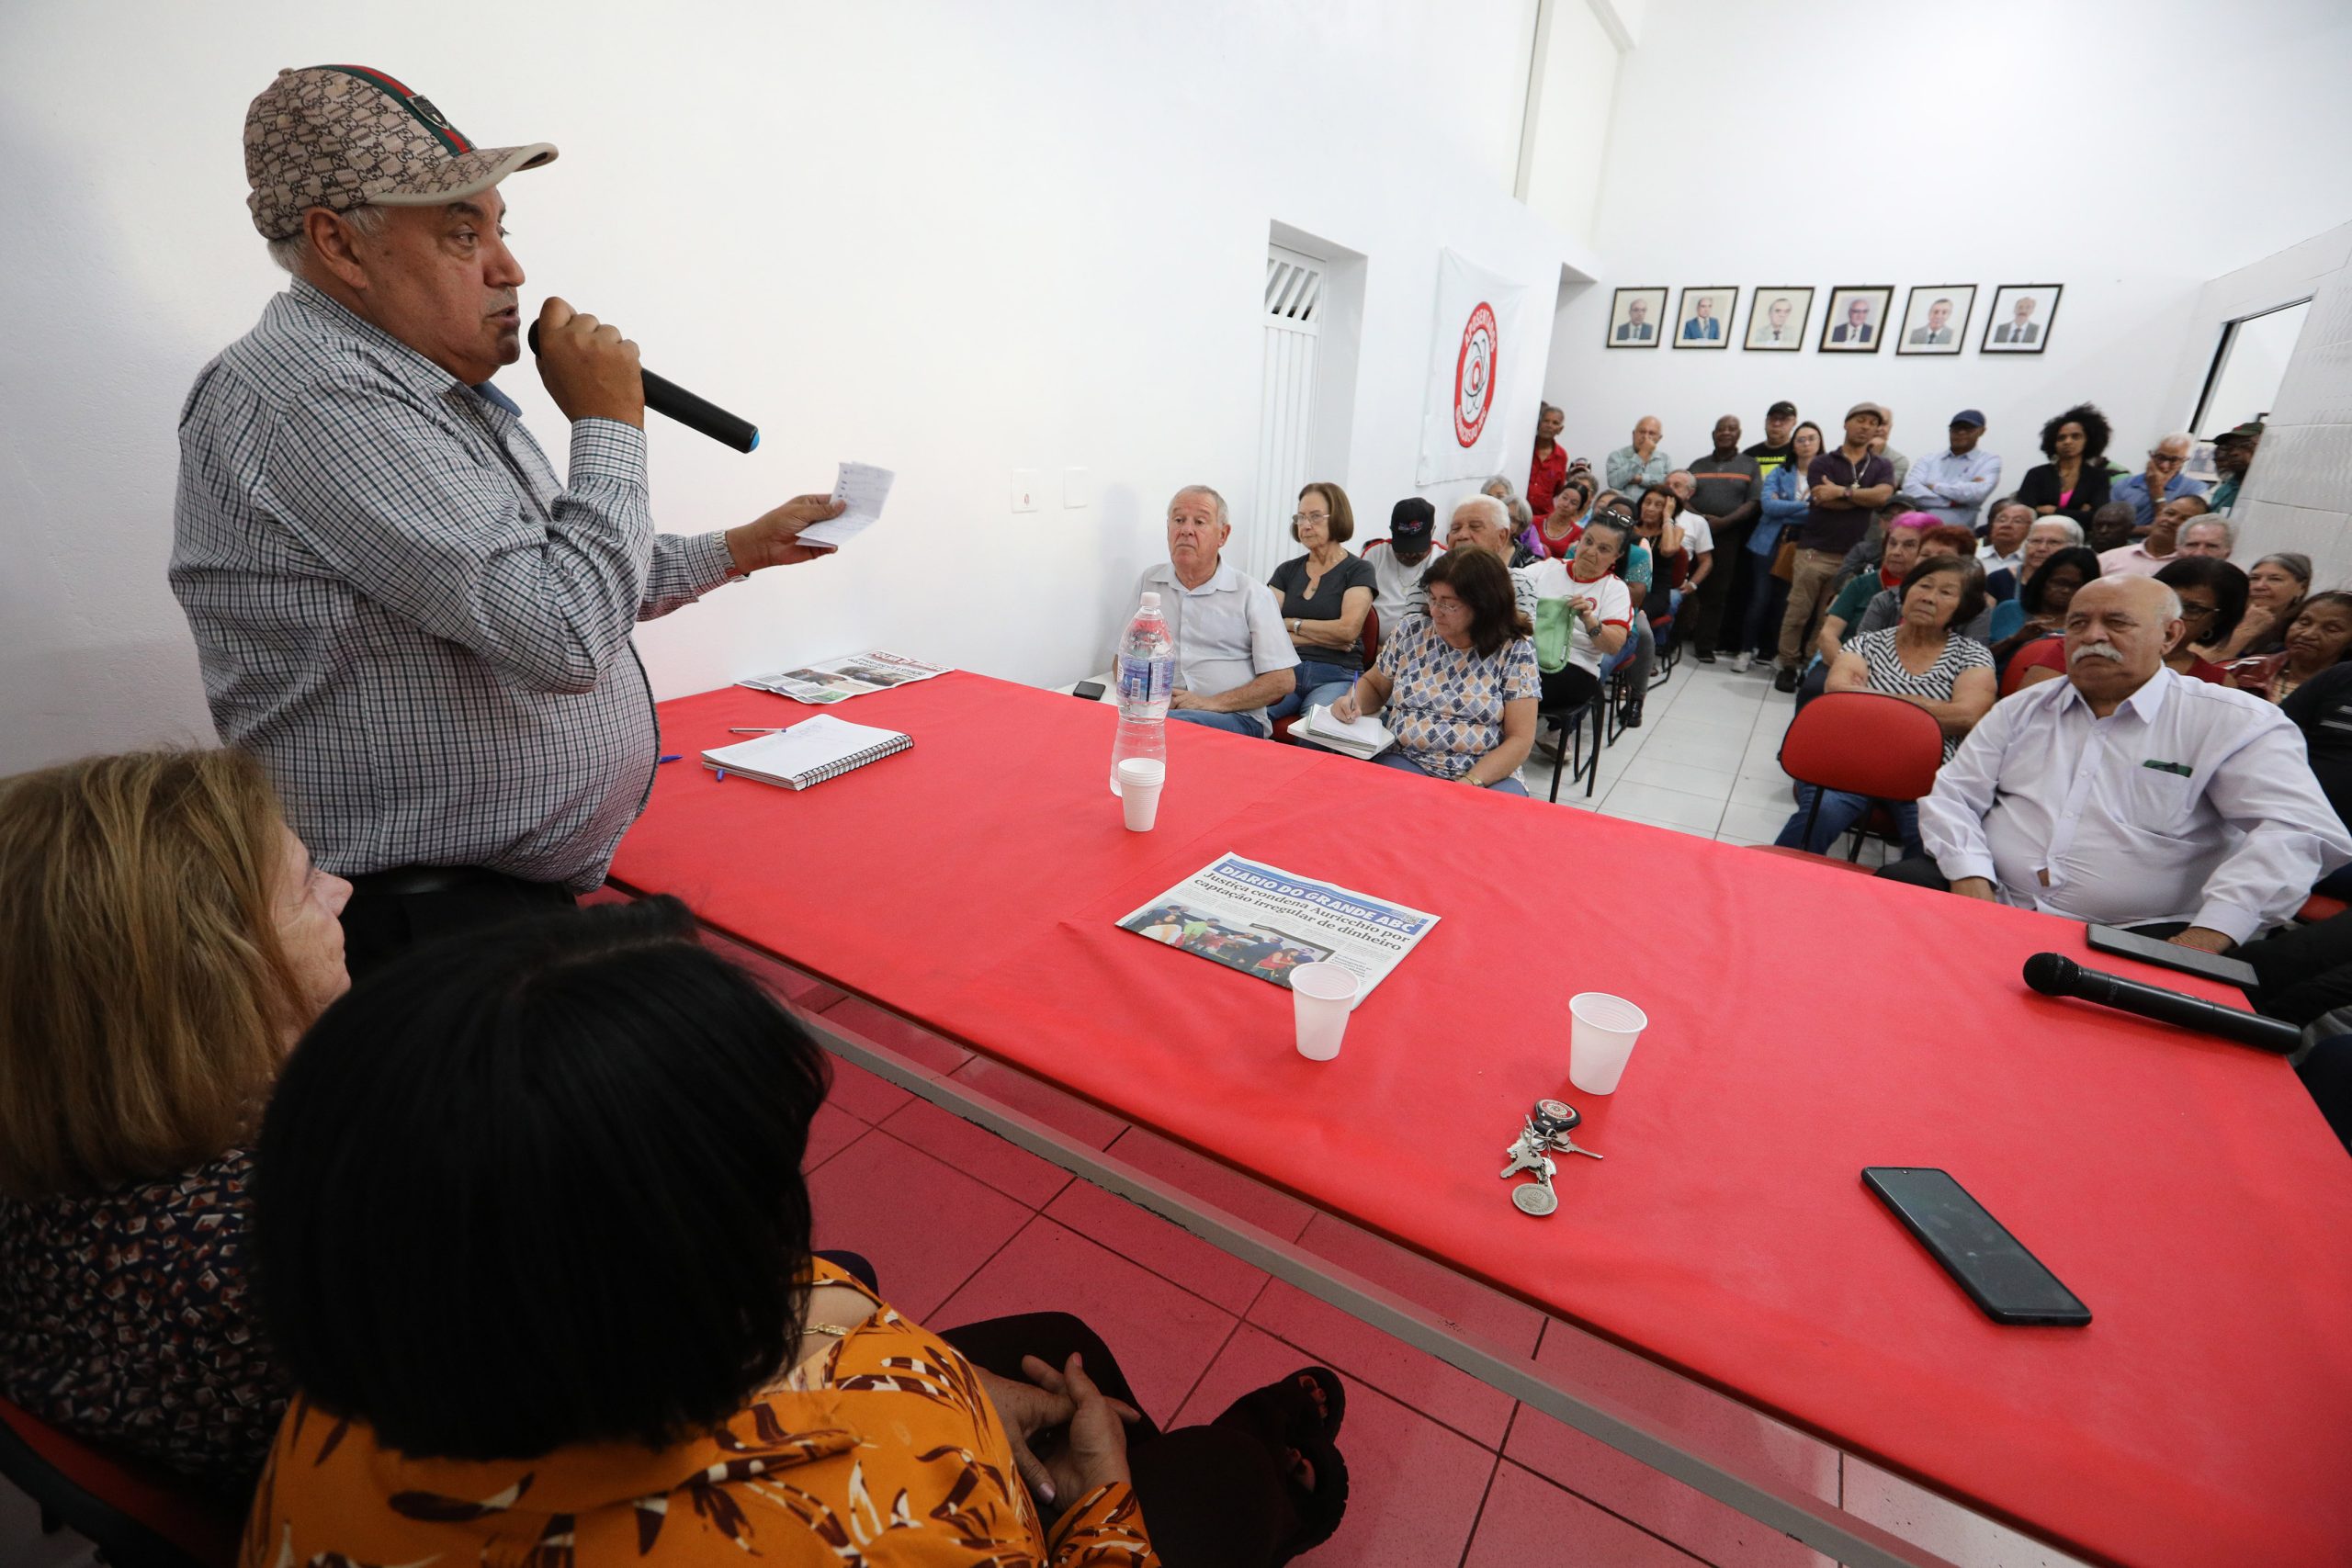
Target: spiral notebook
point(808, 753)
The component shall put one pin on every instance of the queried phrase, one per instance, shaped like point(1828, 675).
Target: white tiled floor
point(1705, 760)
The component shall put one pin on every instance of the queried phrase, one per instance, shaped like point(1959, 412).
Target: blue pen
point(671, 757)
point(722, 775)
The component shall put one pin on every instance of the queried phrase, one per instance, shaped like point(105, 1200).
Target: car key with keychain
point(1546, 1134)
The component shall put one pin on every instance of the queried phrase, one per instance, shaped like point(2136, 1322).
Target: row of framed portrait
point(1859, 319)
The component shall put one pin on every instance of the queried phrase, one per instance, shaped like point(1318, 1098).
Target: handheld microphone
point(664, 396)
point(2053, 975)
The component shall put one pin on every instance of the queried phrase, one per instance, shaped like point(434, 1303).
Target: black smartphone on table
point(1091, 691)
point(2172, 956)
point(2000, 1276)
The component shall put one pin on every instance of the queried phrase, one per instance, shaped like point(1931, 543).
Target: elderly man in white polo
point(417, 628)
point(1232, 655)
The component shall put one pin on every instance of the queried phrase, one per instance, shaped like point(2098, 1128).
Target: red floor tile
point(1368, 1356)
point(1413, 1486)
point(1528, 1520)
point(975, 1151)
point(832, 1131)
point(1040, 1101)
point(889, 1032)
point(1216, 1185)
point(1656, 1502)
point(1162, 1336)
point(1160, 1246)
point(1508, 1325)
point(926, 1227)
point(871, 1100)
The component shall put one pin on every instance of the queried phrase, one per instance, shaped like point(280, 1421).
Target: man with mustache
point(422, 632)
point(2127, 794)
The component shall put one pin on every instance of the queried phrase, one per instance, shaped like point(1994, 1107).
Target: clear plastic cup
point(1601, 1033)
point(1140, 781)
point(1322, 996)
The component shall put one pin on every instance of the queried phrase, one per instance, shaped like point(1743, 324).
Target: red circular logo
point(1473, 376)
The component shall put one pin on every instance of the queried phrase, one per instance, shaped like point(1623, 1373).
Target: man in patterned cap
point(420, 630)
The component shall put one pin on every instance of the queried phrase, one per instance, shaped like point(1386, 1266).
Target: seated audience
point(2216, 538)
point(1233, 656)
point(2074, 483)
point(1670, 562)
point(2275, 587)
point(2213, 596)
point(1952, 485)
point(1783, 507)
point(1551, 463)
point(2030, 631)
point(1639, 464)
point(2111, 527)
point(163, 939)
point(1636, 564)
point(1479, 523)
point(2233, 452)
point(1325, 594)
point(1691, 533)
point(2317, 640)
point(2321, 708)
point(1944, 541)
point(1522, 517)
point(1398, 560)
point(1899, 551)
point(2143, 557)
point(1584, 614)
point(1555, 535)
point(2003, 552)
point(1848, 487)
point(2126, 796)
point(1728, 492)
point(570, 1315)
point(2160, 480)
point(2044, 537)
point(1458, 686)
point(1921, 659)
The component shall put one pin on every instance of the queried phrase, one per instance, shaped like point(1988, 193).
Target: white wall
point(2298, 495)
point(955, 240)
point(2129, 153)
point(1569, 142)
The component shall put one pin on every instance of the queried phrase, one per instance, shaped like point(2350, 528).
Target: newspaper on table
point(1265, 922)
point(837, 680)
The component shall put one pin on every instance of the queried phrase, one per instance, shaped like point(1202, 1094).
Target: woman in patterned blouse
point(1923, 661)
point(1460, 684)
point(534, 1242)
point(162, 941)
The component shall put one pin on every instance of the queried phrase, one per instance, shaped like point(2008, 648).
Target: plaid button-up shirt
point(422, 634)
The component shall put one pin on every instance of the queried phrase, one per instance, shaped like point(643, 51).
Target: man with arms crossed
point(419, 630)
point(1951, 485)
point(2127, 795)
point(1849, 484)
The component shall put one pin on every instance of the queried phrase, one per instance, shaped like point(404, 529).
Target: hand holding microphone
point(589, 369)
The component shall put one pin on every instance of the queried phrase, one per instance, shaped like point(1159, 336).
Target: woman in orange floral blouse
point(534, 1242)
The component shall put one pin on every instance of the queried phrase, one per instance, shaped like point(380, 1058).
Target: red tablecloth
point(1804, 1022)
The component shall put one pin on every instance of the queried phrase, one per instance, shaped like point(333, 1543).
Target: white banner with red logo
point(1482, 333)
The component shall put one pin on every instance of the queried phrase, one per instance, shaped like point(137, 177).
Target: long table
point(1805, 1023)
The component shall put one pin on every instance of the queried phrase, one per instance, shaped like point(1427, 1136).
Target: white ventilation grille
point(1293, 288)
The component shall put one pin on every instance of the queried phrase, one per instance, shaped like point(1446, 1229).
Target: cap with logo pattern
point(346, 136)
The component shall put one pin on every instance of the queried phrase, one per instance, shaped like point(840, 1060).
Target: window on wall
point(2248, 368)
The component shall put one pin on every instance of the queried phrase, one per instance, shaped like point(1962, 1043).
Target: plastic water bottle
point(1145, 676)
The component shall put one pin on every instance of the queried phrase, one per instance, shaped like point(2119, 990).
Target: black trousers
point(1703, 624)
point(1213, 1496)
point(391, 912)
point(1567, 687)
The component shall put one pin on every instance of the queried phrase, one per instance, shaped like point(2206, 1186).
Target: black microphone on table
point(665, 397)
point(2055, 975)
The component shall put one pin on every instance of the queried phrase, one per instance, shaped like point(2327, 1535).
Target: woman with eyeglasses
point(2212, 599)
point(1325, 594)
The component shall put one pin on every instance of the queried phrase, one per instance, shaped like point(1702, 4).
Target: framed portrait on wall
point(2021, 319)
point(1777, 318)
point(1705, 318)
point(1637, 318)
point(1855, 320)
point(1935, 318)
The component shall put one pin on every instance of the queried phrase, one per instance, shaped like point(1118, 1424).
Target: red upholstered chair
point(1860, 743)
point(2320, 907)
point(137, 1516)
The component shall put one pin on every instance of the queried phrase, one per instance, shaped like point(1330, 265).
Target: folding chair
point(1860, 743)
point(136, 1515)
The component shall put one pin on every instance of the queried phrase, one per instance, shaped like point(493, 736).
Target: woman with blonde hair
point(165, 939)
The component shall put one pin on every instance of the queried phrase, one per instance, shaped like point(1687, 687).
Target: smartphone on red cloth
point(2000, 1276)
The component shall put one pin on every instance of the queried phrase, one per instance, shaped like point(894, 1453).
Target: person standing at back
point(1727, 490)
point(1640, 463)
point(1846, 487)
point(2074, 482)
point(421, 632)
point(1951, 485)
point(1780, 429)
point(1551, 462)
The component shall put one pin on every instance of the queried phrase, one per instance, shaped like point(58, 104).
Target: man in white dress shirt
point(2127, 794)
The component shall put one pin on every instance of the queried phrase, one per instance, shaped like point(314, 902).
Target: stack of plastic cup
point(1322, 995)
point(1601, 1033)
point(1140, 779)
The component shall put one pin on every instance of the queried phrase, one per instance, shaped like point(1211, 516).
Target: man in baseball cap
point(1398, 560)
point(422, 632)
point(1952, 485)
point(2232, 456)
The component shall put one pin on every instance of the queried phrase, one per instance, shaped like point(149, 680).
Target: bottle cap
point(1150, 599)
